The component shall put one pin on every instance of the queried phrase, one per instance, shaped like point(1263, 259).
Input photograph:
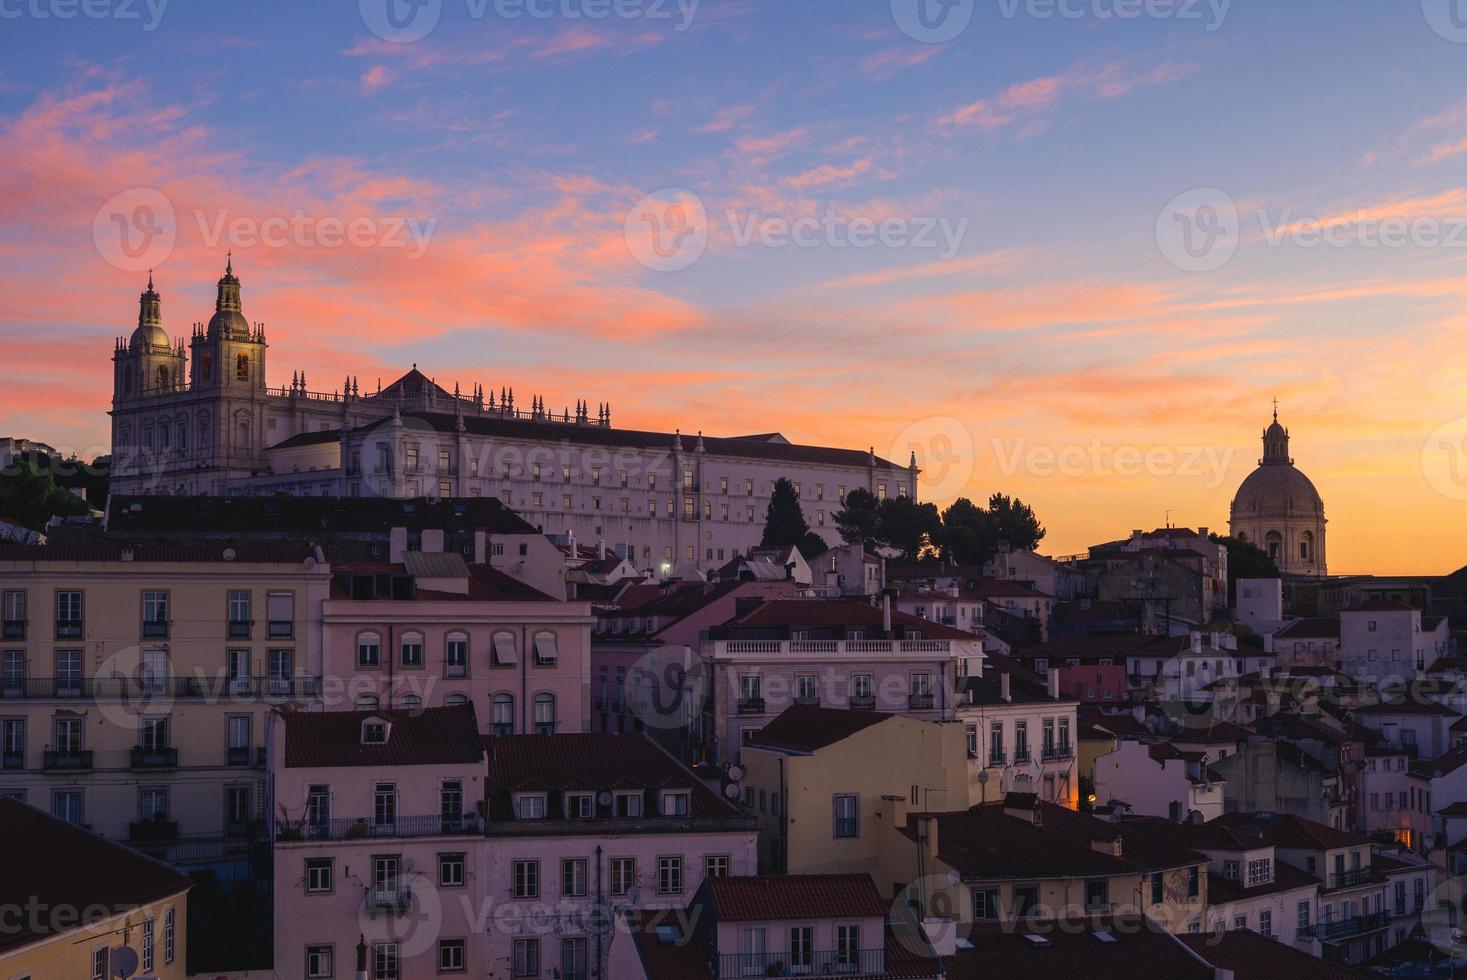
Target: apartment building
point(74, 899)
point(1021, 734)
point(1384, 641)
point(832, 653)
point(818, 779)
point(136, 680)
point(1157, 778)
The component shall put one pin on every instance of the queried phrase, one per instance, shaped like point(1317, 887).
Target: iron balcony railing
point(13, 629)
point(10, 759)
point(1348, 879)
point(177, 688)
point(242, 755)
point(154, 758)
point(68, 629)
point(751, 706)
point(355, 828)
point(919, 702)
point(239, 629)
point(1057, 753)
point(67, 759)
point(809, 963)
point(1345, 928)
point(389, 900)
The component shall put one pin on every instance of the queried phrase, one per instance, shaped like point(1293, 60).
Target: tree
point(784, 522)
point(812, 546)
point(859, 519)
point(1245, 560)
point(967, 533)
point(1014, 522)
point(30, 496)
point(907, 527)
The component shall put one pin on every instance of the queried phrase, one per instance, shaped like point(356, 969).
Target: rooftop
point(274, 516)
point(1251, 956)
point(417, 737)
point(1120, 947)
point(763, 898)
point(803, 728)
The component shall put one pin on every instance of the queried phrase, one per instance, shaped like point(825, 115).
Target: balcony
point(242, 754)
point(1349, 879)
point(239, 629)
point(176, 688)
point(1329, 932)
point(997, 759)
point(351, 828)
point(1022, 756)
point(68, 629)
point(829, 649)
point(811, 963)
point(389, 901)
point(1057, 753)
point(13, 629)
point(456, 670)
point(67, 759)
point(155, 629)
point(919, 702)
point(282, 629)
point(12, 760)
point(808, 700)
point(751, 706)
point(152, 831)
point(863, 702)
point(154, 758)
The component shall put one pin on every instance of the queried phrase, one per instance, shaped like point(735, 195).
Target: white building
point(1386, 641)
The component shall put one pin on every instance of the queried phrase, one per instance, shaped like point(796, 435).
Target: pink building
point(434, 630)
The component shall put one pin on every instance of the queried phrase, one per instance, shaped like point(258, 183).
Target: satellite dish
point(604, 797)
point(124, 962)
point(982, 777)
point(731, 791)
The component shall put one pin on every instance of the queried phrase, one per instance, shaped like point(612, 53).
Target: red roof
point(416, 737)
point(770, 897)
point(807, 728)
point(1287, 830)
point(1137, 947)
point(1253, 957)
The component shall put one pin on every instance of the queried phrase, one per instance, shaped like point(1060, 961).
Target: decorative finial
point(229, 263)
point(150, 280)
point(1275, 409)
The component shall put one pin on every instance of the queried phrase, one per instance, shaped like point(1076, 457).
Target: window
point(1303, 916)
point(1230, 870)
point(503, 714)
point(384, 804)
point(545, 714)
point(802, 948)
point(155, 614)
point(100, 959)
point(669, 875)
point(546, 651)
point(149, 943)
point(1158, 889)
point(385, 961)
point(12, 743)
point(374, 732)
point(846, 816)
point(451, 956)
point(1260, 872)
point(628, 804)
point(573, 878)
point(526, 958)
point(280, 611)
point(530, 806)
point(573, 958)
point(623, 875)
point(502, 652)
point(318, 876)
point(805, 690)
point(451, 870)
point(1194, 882)
point(1097, 894)
point(456, 656)
point(716, 866)
point(369, 650)
point(68, 614)
point(676, 804)
point(66, 804)
point(14, 611)
point(847, 947)
point(526, 879)
point(412, 650)
point(985, 903)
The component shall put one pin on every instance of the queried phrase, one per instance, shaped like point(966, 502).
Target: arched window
point(242, 367)
point(1306, 546)
point(456, 655)
point(369, 649)
point(206, 366)
point(503, 714)
point(412, 649)
point(162, 376)
point(1274, 545)
point(203, 430)
point(456, 699)
point(545, 714)
point(410, 702)
point(1242, 535)
point(368, 702)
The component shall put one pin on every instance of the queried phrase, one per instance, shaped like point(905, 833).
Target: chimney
point(1004, 690)
point(1022, 806)
point(1054, 682)
point(481, 547)
point(1202, 532)
point(886, 613)
point(600, 548)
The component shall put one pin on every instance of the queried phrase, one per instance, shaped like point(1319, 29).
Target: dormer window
point(529, 806)
point(676, 803)
point(1260, 872)
point(629, 804)
point(580, 806)
point(374, 731)
point(1230, 870)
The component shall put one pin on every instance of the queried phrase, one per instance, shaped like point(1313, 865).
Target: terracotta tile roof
point(55, 865)
point(1311, 628)
point(418, 737)
point(1253, 957)
point(202, 553)
point(315, 516)
point(807, 728)
point(1141, 948)
point(485, 583)
point(770, 897)
point(1286, 878)
point(1287, 830)
point(590, 761)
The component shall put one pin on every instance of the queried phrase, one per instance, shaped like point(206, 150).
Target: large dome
point(229, 323)
point(149, 335)
point(1278, 509)
point(1277, 490)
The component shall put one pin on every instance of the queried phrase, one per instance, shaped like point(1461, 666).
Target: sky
point(1069, 250)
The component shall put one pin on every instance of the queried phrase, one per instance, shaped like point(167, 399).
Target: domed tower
point(1278, 509)
point(147, 364)
point(228, 354)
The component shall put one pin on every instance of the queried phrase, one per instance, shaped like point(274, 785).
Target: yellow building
point(821, 781)
point(136, 680)
point(72, 901)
